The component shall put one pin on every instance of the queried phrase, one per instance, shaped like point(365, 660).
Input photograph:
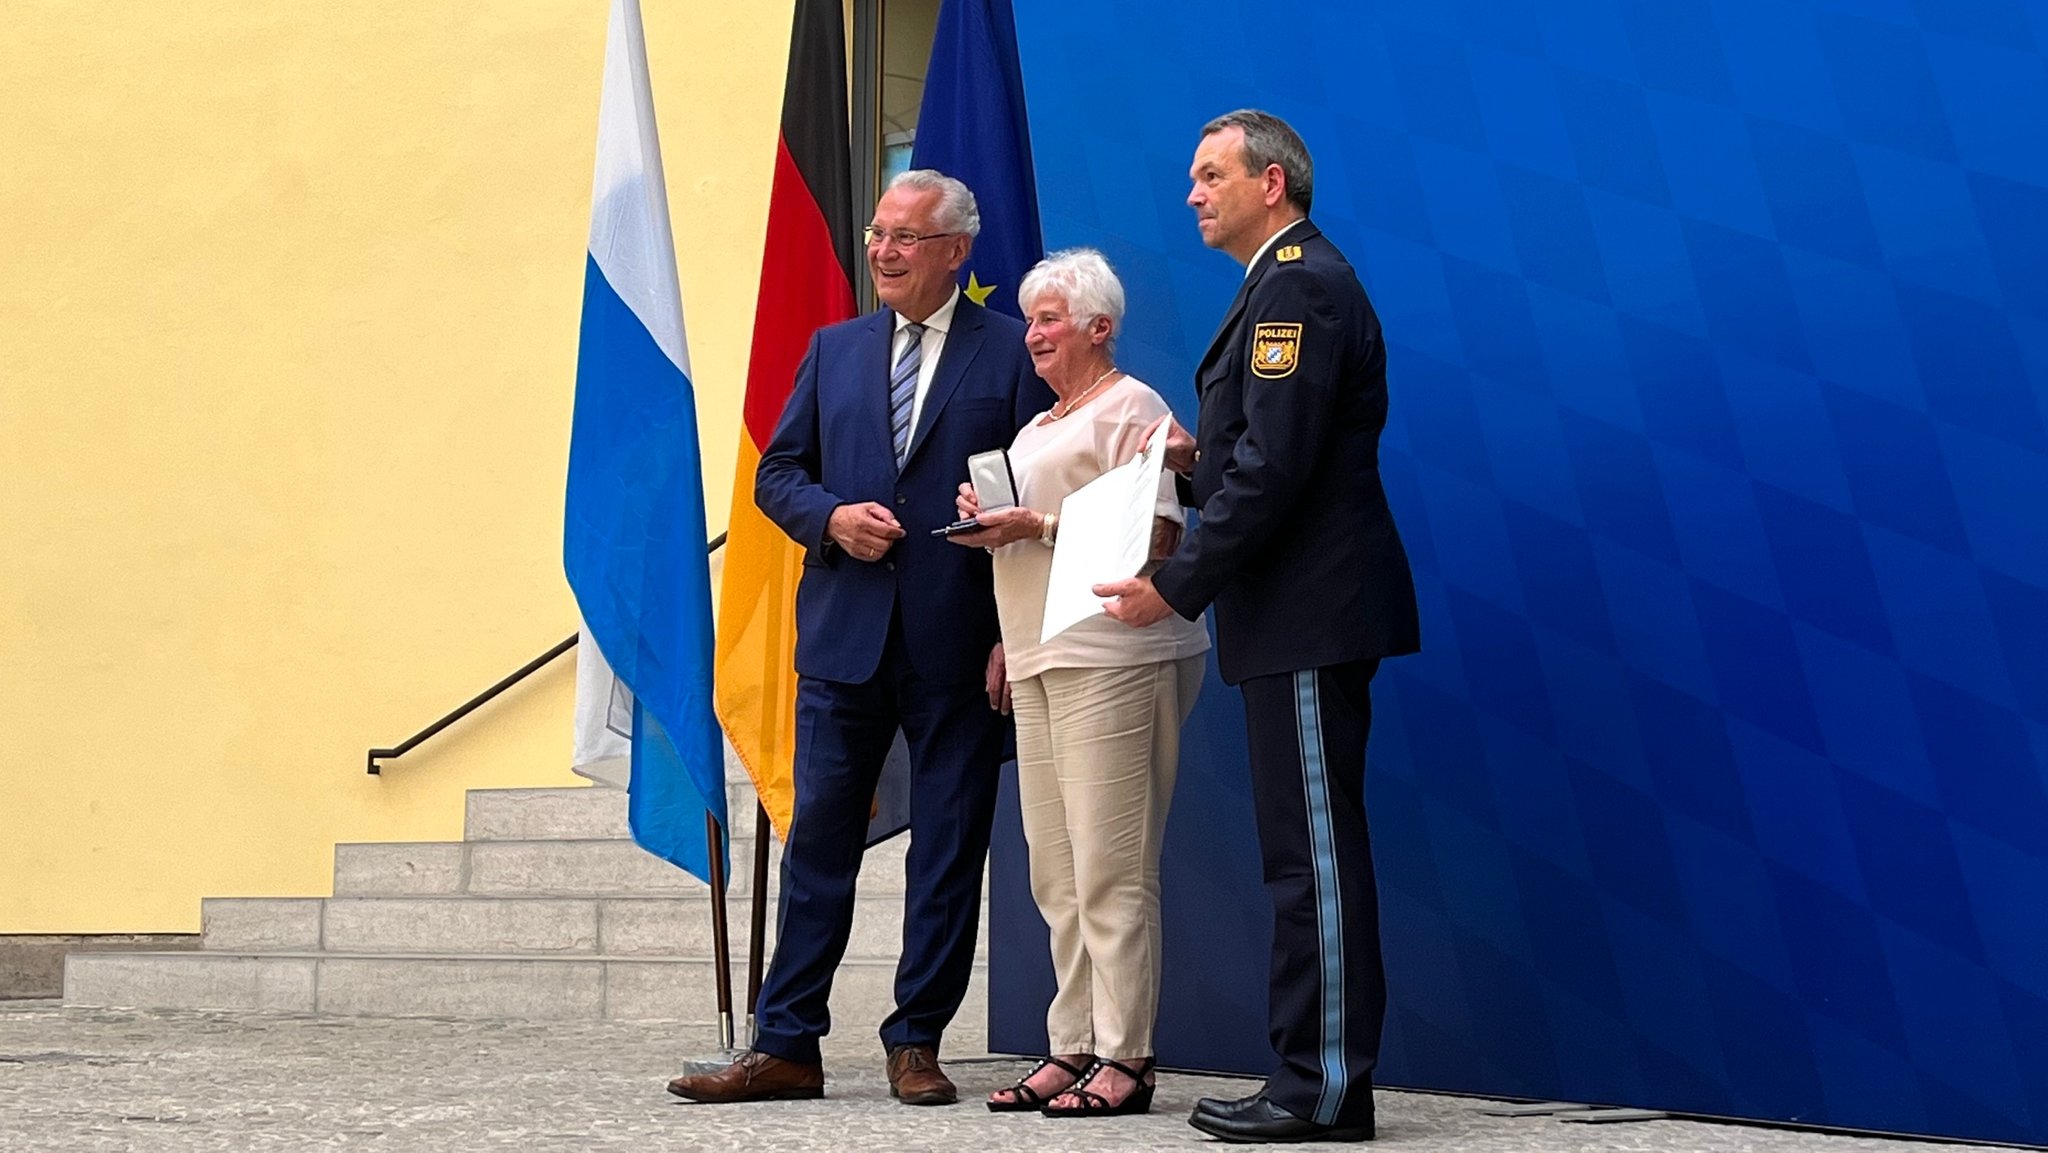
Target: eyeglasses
point(904, 238)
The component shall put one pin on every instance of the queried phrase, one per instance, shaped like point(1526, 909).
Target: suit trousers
point(1306, 733)
point(1097, 750)
point(843, 736)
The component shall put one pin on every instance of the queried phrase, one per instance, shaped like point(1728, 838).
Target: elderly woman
point(1099, 707)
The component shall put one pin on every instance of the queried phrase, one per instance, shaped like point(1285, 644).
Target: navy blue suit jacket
point(832, 447)
point(1296, 547)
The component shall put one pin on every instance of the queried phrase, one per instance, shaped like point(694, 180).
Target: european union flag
point(971, 126)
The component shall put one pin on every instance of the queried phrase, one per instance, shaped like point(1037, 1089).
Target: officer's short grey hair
point(1085, 280)
point(957, 210)
point(1270, 140)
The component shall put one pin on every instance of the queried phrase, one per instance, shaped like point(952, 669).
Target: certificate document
point(1105, 535)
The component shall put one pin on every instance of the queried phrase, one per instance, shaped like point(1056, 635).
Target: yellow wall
point(288, 307)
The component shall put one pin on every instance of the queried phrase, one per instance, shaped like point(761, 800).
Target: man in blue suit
point(896, 629)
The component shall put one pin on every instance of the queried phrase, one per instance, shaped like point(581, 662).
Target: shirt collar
point(1254, 262)
point(940, 321)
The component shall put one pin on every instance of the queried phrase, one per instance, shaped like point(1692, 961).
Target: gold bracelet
point(1050, 530)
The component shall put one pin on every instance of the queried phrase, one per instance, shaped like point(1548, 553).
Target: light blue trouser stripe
point(1329, 913)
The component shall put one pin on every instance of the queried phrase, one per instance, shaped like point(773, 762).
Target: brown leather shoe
point(916, 1079)
point(756, 1076)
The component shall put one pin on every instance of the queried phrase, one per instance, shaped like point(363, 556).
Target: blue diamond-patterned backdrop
point(1718, 345)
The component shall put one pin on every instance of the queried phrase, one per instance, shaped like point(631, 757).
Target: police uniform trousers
point(844, 731)
point(1306, 733)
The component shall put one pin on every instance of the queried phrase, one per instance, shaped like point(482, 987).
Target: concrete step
point(459, 925)
point(399, 868)
point(260, 924)
point(559, 868)
point(483, 987)
point(575, 814)
point(589, 814)
point(633, 927)
point(576, 868)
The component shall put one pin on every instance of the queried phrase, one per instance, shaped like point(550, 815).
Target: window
point(892, 46)
point(907, 27)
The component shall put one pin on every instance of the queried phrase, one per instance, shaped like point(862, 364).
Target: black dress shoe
point(1261, 1121)
point(1228, 1107)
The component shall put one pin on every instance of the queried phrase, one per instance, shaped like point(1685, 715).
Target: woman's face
point(1058, 346)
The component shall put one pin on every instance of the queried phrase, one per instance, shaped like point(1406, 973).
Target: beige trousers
point(1096, 754)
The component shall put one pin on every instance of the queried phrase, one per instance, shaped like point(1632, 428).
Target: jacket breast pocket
point(986, 421)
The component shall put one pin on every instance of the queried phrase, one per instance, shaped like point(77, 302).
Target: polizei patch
point(1275, 349)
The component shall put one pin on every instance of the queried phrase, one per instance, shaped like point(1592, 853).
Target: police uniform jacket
point(1296, 547)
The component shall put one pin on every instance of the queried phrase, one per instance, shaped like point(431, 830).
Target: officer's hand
point(1180, 447)
point(1137, 603)
point(864, 530)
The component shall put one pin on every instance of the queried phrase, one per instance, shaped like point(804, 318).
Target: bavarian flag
point(633, 522)
point(807, 279)
point(971, 126)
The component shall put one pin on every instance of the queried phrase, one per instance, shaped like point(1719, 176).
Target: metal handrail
point(478, 701)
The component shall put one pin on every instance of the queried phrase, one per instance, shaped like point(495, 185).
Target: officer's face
point(913, 279)
point(1062, 350)
point(1229, 201)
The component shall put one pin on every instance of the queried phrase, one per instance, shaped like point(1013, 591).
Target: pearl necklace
point(1059, 410)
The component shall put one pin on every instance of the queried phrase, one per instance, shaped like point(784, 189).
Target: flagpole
point(758, 922)
point(721, 944)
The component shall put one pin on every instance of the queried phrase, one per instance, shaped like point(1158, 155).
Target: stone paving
point(101, 1079)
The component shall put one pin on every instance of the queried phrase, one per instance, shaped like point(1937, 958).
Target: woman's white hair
point(1085, 280)
point(957, 210)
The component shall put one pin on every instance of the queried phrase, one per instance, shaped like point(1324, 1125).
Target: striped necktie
point(903, 391)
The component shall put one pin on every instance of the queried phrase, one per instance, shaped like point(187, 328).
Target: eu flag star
point(977, 291)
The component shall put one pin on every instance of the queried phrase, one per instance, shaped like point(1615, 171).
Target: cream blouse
point(1051, 459)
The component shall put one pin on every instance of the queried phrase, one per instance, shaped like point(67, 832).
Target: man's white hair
point(957, 210)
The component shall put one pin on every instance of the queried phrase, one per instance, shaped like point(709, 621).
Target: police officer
point(1297, 551)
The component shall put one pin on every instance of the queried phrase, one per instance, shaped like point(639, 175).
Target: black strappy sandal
point(1025, 1099)
point(1096, 1105)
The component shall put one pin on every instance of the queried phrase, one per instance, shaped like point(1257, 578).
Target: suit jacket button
point(890, 565)
point(901, 499)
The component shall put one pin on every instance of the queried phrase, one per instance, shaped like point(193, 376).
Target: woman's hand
point(967, 504)
point(1001, 527)
point(996, 679)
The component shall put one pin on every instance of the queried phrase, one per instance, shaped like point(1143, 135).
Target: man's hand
point(997, 681)
point(864, 530)
point(1137, 603)
point(1180, 447)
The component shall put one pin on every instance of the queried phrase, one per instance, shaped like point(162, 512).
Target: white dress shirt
point(1254, 261)
point(935, 328)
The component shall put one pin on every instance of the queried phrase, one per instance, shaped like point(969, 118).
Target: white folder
point(1105, 535)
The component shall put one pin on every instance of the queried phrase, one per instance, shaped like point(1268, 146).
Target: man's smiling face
point(917, 279)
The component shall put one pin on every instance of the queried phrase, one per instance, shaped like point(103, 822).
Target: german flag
point(807, 272)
